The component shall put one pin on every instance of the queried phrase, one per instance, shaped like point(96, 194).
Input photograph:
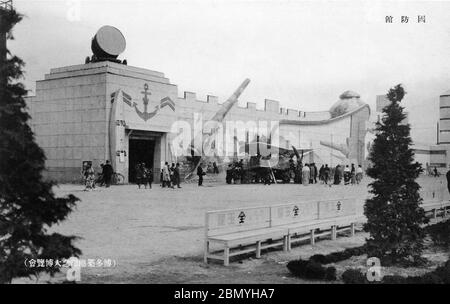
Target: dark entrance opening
point(140, 151)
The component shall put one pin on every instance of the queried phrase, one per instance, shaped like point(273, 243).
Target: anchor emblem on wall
point(241, 217)
point(295, 210)
point(145, 115)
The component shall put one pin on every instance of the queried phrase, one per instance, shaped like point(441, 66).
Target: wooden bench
point(310, 220)
point(238, 231)
point(442, 207)
point(433, 201)
point(244, 230)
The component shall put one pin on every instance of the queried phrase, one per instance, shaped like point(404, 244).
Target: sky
point(301, 53)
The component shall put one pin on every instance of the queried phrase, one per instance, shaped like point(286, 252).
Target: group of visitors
point(349, 175)
point(144, 176)
point(235, 172)
point(309, 174)
point(212, 168)
point(104, 178)
point(305, 174)
point(170, 175)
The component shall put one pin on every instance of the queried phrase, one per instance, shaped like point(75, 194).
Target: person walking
point(326, 174)
point(435, 172)
point(312, 172)
point(89, 176)
point(139, 175)
point(176, 175)
point(321, 173)
point(305, 175)
point(298, 173)
point(267, 176)
point(101, 177)
point(172, 176)
point(147, 176)
point(107, 173)
point(229, 174)
point(359, 174)
point(337, 175)
point(315, 173)
point(166, 175)
point(215, 168)
point(200, 174)
point(353, 174)
point(241, 171)
point(346, 175)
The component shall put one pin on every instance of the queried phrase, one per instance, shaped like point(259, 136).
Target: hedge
point(311, 270)
point(335, 257)
point(440, 233)
point(441, 275)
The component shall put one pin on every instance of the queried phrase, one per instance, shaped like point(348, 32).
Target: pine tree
point(28, 206)
point(394, 215)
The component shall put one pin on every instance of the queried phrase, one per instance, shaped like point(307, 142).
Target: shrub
point(330, 274)
point(319, 258)
point(444, 272)
point(430, 278)
point(440, 233)
point(353, 276)
point(314, 270)
point(394, 279)
point(441, 275)
point(311, 270)
point(335, 257)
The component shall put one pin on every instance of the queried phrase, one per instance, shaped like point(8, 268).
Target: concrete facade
point(93, 111)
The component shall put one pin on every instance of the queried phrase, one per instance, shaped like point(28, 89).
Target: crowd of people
point(144, 176)
point(170, 175)
point(297, 172)
point(235, 172)
point(309, 174)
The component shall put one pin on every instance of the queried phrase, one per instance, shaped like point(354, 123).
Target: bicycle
point(117, 179)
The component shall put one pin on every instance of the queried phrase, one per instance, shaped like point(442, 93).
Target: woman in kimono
point(89, 177)
point(305, 175)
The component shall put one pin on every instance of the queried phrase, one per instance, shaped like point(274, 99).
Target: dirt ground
point(156, 236)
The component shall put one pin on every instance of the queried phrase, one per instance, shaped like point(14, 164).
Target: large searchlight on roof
point(107, 44)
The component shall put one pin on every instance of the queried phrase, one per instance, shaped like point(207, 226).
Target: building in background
point(110, 111)
point(105, 109)
point(434, 155)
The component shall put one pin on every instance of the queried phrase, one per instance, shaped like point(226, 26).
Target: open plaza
point(157, 235)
